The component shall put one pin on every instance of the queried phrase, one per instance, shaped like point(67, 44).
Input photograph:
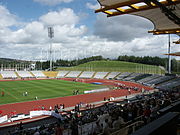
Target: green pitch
point(43, 89)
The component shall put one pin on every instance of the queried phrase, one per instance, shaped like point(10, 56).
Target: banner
point(3, 119)
point(97, 90)
point(49, 113)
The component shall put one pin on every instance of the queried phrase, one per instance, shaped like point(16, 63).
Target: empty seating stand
point(159, 80)
point(100, 75)
point(73, 74)
point(112, 75)
point(38, 74)
point(87, 74)
point(24, 74)
point(148, 78)
point(62, 74)
point(169, 85)
point(123, 75)
point(130, 77)
point(8, 74)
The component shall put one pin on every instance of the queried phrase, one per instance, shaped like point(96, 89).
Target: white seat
point(38, 74)
point(8, 74)
point(62, 73)
point(24, 74)
point(73, 74)
point(86, 74)
point(100, 75)
point(112, 75)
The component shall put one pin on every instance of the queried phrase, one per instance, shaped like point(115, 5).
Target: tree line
point(142, 60)
point(65, 63)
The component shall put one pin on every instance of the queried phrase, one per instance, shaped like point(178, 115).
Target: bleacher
point(73, 74)
point(87, 74)
point(38, 74)
point(24, 74)
point(112, 75)
point(169, 85)
point(159, 80)
point(8, 74)
point(148, 78)
point(131, 76)
point(100, 75)
point(62, 74)
point(123, 75)
point(140, 77)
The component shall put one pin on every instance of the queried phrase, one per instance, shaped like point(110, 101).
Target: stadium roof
point(174, 54)
point(164, 14)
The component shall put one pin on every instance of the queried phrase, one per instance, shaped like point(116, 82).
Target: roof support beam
point(165, 31)
point(166, 11)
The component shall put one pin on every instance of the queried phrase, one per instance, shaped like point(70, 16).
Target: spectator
point(98, 128)
point(58, 130)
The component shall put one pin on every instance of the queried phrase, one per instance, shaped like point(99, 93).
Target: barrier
point(3, 119)
point(48, 113)
point(97, 90)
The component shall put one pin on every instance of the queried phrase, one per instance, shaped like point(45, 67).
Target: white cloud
point(52, 2)
point(7, 19)
point(65, 16)
point(70, 40)
point(93, 6)
point(122, 28)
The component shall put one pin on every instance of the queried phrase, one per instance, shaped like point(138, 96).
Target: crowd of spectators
point(123, 86)
point(107, 118)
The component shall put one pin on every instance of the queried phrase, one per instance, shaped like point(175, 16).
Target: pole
point(50, 35)
point(169, 57)
point(50, 55)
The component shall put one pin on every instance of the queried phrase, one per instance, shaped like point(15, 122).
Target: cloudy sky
point(78, 31)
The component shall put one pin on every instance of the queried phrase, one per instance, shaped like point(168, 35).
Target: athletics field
point(43, 89)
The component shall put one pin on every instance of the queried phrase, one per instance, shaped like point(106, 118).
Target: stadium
point(96, 95)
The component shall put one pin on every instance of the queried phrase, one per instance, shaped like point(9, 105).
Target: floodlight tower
point(50, 35)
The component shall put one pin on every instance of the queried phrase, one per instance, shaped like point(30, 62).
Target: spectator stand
point(24, 74)
point(62, 74)
point(73, 74)
point(169, 85)
point(87, 74)
point(152, 77)
point(38, 74)
point(159, 80)
point(123, 75)
point(8, 74)
point(131, 76)
point(112, 75)
point(100, 75)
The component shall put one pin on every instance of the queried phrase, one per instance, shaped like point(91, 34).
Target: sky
point(78, 31)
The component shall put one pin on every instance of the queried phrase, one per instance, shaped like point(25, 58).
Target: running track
point(69, 101)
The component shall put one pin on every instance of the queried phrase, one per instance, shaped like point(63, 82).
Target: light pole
point(50, 35)
point(169, 57)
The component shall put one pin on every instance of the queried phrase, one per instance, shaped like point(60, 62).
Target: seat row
point(87, 74)
point(22, 74)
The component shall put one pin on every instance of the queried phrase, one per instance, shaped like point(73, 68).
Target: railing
point(129, 129)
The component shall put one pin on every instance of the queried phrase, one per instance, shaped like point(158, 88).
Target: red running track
point(69, 101)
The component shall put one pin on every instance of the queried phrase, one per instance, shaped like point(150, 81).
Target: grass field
point(119, 66)
point(43, 89)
